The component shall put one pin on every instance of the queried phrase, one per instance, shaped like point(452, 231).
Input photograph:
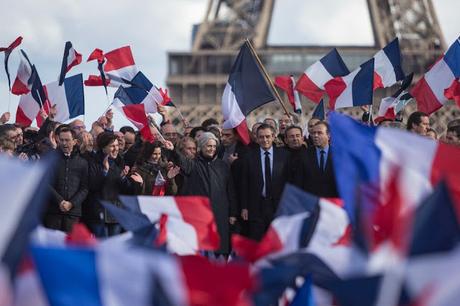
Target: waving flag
point(116, 67)
point(453, 92)
point(245, 91)
point(387, 65)
point(429, 90)
point(393, 105)
point(186, 223)
point(70, 59)
point(30, 105)
point(159, 187)
point(364, 156)
point(312, 81)
point(299, 218)
point(287, 83)
point(22, 85)
point(69, 100)
point(8, 51)
point(354, 89)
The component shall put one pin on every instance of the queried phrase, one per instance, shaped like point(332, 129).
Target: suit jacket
point(252, 181)
point(317, 182)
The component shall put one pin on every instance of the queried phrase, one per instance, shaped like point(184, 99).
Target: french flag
point(387, 65)
point(68, 98)
point(391, 106)
point(453, 92)
point(187, 224)
point(354, 89)
point(429, 90)
point(118, 66)
point(311, 82)
point(246, 90)
point(301, 222)
point(159, 187)
point(364, 159)
point(115, 275)
point(70, 59)
point(30, 105)
point(287, 84)
point(21, 85)
point(7, 51)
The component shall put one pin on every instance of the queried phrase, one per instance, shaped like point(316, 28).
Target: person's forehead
point(169, 128)
point(319, 127)
point(294, 131)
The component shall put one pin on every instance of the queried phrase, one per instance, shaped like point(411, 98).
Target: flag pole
point(267, 77)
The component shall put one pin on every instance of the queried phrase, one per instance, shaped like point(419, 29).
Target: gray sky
point(154, 27)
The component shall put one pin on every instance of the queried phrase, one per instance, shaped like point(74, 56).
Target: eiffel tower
point(198, 78)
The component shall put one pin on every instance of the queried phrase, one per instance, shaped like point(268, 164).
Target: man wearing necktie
point(317, 165)
point(263, 179)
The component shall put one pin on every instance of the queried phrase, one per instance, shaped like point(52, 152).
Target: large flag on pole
point(387, 65)
point(70, 59)
point(8, 51)
point(245, 91)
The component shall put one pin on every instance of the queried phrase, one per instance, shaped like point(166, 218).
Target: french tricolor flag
point(246, 90)
point(354, 89)
point(311, 82)
point(364, 157)
point(114, 275)
point(70, 59)
point(21, 85)
point(303, 221)
point(69, 99)
point(387, 65)
point(287, 84)
point(118, 67)
point(429, 90)
point(187, 224)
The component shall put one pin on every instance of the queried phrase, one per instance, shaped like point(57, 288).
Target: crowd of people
point(244, 183)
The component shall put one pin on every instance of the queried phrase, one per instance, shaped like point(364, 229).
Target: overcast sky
point(153, 27)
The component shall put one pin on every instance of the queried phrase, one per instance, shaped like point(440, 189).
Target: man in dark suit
point(263, 180)
point(317, 166)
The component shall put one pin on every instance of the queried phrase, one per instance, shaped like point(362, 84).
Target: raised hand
point(5, 118)
point(173, 171)
point(137, 178)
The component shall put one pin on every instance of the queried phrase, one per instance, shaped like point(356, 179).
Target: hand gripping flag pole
point(267, 77)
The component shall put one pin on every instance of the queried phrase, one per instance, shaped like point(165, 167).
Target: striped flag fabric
point(70, 59)
point(429, 90)
point(287, 84)
point(387, 65)
point(354, 89)
point(187, 223)
point(311, 82)
point(7, 51)
point(21, 84)
point(246, 90)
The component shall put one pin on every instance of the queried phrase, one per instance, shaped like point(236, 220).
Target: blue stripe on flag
point(363, 83)
point(334, 64)
point(452, 58)
point(393, 53)
point(69, 276)
point(75, 95)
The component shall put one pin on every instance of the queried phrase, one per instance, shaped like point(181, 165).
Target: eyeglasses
point(79, 127)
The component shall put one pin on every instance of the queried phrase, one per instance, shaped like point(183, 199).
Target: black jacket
point(70, 183)
point(253, 182)
point(211, 178)
point(106, 187)
point(294, 166)
point(317, 182)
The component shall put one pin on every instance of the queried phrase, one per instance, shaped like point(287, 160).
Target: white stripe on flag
point(318, 74)
point(439, 77)
point(231, 111)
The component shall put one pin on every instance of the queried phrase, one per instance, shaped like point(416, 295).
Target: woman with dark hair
point(206, 175)
point(108, 177)
point(152, 167)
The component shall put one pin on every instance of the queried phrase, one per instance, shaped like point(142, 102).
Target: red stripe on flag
point(378, 83)
point(19, 88)
point(446, 165)
point(309, 89)
point(21, 118)
point(13, 45)
point(95, 80)
point(252, 250)
point(119, 58)
point(334, 89)
point(426, 99)
point(243, 132)
point(197, 211)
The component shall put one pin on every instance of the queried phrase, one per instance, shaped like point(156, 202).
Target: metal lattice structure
point(198, 78)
